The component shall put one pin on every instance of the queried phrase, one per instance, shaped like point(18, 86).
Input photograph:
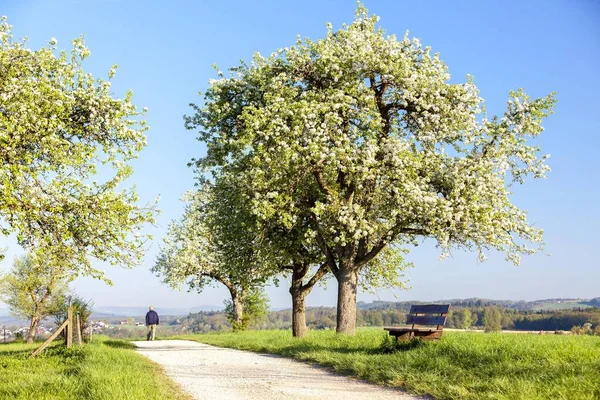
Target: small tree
point(464, 319)
point(256, 307)
point(194, 254)
point(33, 290)
point(507, 321)
point(492, 319)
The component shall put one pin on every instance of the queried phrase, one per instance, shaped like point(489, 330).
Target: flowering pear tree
point(59, 127)
point(361, 137)
point(281, 250)
point(288, 250)
point(198, 251)
point(273, 250)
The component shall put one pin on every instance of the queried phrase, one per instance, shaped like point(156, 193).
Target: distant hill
point(107, 311)
point(521, 305)
point(595, 302)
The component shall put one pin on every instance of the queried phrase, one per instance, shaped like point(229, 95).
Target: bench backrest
point(428, 314)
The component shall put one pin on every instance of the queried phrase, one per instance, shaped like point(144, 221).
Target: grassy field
point(104, 370)
point(460, 366)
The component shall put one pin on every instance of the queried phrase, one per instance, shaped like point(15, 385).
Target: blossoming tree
point(362, 137)
point(58, 128)
point(197, 251)
point(281, 250)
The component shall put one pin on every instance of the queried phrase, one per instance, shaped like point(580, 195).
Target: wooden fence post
point(50, 339)
point(79, 341)
point(70, 326)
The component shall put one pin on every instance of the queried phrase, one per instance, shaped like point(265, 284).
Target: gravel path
point(209, 372)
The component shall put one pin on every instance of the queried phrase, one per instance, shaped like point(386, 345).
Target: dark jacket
point(151, 318)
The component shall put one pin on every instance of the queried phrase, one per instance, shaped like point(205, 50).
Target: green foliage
point(462, 318)
point(59, 128)
point(322, 318)
point(102, 370)
point(492, 319)
point(206, 321)
point(466, 366)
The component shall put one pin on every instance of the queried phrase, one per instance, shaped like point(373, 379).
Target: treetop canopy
point(362, 136)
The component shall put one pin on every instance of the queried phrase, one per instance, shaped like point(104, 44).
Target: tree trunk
point(299, 291)
point(347, 279)
point(298, 316)
point(32, 329)
point(298, 307)
point(238, 311)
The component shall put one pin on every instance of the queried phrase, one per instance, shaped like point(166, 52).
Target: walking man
point(151, 322)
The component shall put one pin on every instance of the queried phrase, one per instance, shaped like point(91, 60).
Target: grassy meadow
point(459, 366)
point(104, 370)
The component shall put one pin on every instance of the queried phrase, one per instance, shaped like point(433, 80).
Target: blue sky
point(165, 51)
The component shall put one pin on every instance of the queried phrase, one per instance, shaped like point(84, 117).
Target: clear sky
point(165, 50)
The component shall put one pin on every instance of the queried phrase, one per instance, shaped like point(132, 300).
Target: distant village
point(10, 334)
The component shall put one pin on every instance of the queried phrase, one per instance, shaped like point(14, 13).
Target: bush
point(585, 329)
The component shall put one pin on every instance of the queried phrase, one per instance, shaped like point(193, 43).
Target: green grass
point(105, 369)
point(459, 366)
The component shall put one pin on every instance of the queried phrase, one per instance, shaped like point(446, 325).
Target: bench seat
point(424, 325)
point(408, 333)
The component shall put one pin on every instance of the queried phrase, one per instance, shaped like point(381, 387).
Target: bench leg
point(435, 335)
point(404, 337)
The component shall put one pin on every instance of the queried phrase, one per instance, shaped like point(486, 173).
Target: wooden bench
point(427, 323)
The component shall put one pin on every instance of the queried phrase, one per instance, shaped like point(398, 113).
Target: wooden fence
point(70, 326)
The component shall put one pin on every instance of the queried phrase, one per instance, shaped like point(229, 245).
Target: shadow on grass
point(390, 346)
point(387, 346)
point(20, 350)
point(16, 353)
point(119, 344)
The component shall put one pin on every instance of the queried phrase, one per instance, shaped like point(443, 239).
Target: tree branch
point(321, 272)
point(328, 253)
point(371, 254)
point(321, 181)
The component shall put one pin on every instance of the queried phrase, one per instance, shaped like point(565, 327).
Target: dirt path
point(209, 372)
